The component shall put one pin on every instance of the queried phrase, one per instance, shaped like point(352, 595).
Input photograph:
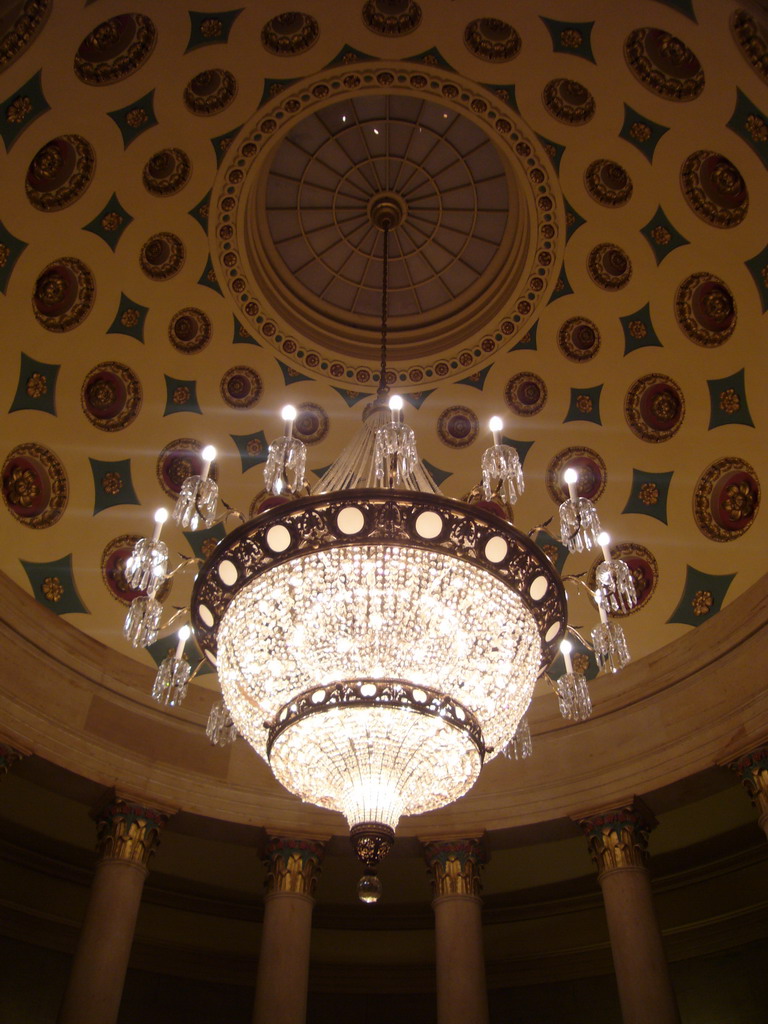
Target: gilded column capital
point(8, 757)
point(752, 769)
point(619, 838)
point(293, 864)
point(128, 832)
point(454, 865)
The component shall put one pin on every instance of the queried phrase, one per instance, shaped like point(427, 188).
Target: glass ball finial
point(369, 887)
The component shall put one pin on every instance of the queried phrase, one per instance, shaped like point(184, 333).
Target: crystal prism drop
point(220, 729)
point(196, 504)
point(579, 525)
point(147, 565)
point(617, 588)
point(284, 469)
point(521, 744)
point(501, 464)
point(394, 454)
point(573, 697)
point(143, 621)
point(610, 646)
point(170, 686)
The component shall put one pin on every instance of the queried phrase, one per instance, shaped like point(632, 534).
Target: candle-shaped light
point(604, 540)
point(601, 609)
point(495, 426)
point(184, 634)
point(160, 517)
point(570, 476)
point(395, 406)
point(208, 454)
point(565, 649)
point(289, 415)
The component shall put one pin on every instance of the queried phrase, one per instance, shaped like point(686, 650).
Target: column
point(8, 757)
point(752, 769)
point(618, 842)
point(455, 869)
point(128, 835)
point(283, 974)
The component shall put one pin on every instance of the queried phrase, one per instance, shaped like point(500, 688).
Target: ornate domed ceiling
point(186, 244)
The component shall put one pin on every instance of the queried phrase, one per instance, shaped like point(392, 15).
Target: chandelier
point(377, 642)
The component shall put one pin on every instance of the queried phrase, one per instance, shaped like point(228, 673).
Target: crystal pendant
point(147, 564)
point(617, 588)
point(501, 463)
point(610, 646)
point(170, 685)
point(196, 504)
point(521, 745)
point(220, 729)
point(394, 454)
point(573, 697)
point(143, 621)
point(579, 525)
point(284, 469)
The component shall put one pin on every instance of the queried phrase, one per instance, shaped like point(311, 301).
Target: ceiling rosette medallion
point(726, 499)
point(752, 39)
point(115, 49)
point(63, 295)
point(654, 408)
point(60, 172)
point(392, 17)
point(705, 309)
point(289, 34)
point(664, 64)
point(608, 183)
point(492, 39)
point(35, 488)
point(476, 234)
point(714, 189)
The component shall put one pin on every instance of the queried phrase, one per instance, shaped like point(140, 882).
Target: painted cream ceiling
point(133, 348)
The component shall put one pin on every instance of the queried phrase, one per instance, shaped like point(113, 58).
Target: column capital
point(8, 757)
point(128, 832)
point(752, 769)
point(618, 838)
point(454, 865)
point(293, 864)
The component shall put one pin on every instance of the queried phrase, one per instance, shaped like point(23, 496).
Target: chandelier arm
point(574, 632)
point(578, 579)
point(538, 529)
point(183, 564)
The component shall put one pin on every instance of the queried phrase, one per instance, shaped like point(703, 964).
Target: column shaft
point(101, 959)
point(281, 981)
point(461, 992)
point(454, 864)
point(283, 975)
point(642, 975)
point(128, 835)
point(618, 842)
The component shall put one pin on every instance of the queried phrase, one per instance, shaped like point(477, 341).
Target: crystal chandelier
point(376, 641)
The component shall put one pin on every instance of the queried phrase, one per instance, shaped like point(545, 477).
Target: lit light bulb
point(570, 476)
point(289, 415)
point(395, 405)
point(160, 517)
point(495, 426)
point(604, 540)
point(184, 634)
point(208, 454)
point(565, 649)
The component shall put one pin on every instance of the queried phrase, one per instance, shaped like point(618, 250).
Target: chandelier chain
point(383, 389)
